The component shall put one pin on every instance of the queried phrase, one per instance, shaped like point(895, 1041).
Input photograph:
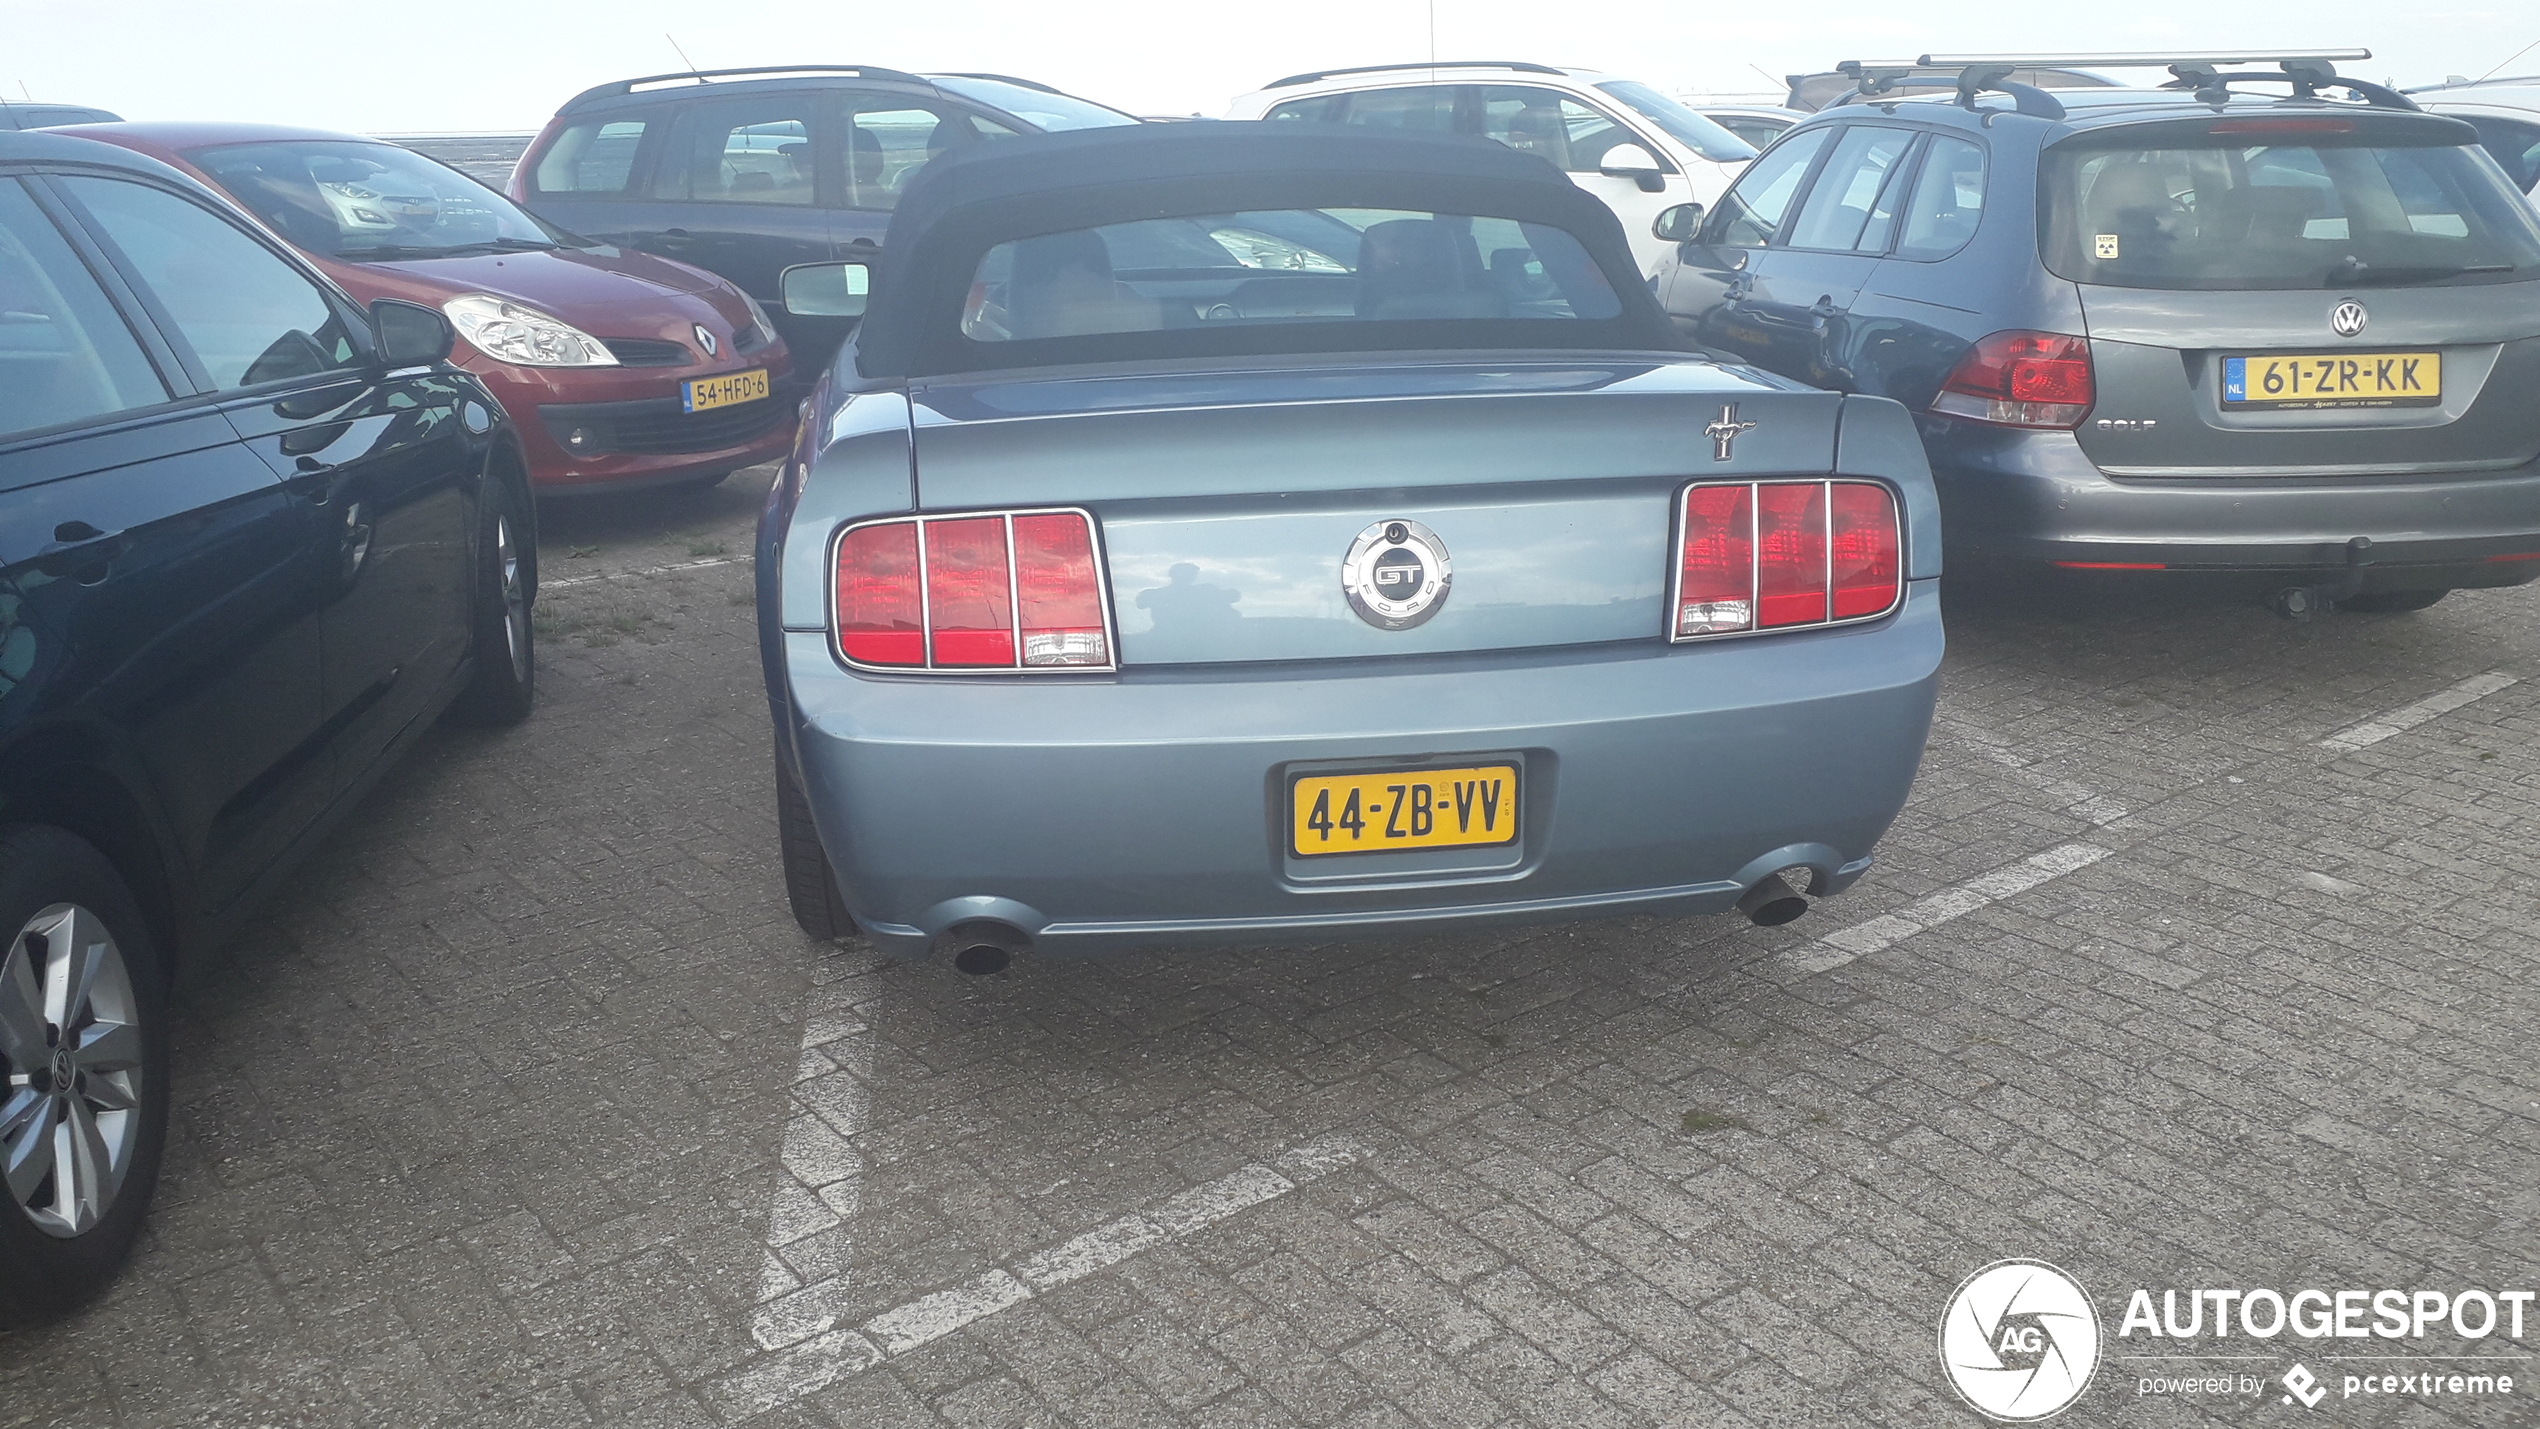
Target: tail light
point(1779, 555)
point(2021, 379)
point(1005, 590)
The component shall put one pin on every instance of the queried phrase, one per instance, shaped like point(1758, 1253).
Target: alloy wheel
point(515, 597)
point(70, 1038)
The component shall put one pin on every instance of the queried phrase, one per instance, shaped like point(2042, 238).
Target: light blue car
point(1228, 533)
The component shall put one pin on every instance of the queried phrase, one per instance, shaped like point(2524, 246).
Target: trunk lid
point(1228, 499)
point(2358, 241)
point(2159, 360)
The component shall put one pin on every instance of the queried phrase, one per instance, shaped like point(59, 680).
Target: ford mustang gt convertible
point(1239, 533)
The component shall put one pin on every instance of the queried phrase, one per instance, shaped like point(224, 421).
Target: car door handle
point(1739, 287)
point(677, 238)
point(82, 552)
point(1824, 309)
point(315, 481)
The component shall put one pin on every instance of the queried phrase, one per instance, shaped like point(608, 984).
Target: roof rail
point(2471, 83)
point(1874, 79)
point(1030, 84)
point(703, 76)
point(1518, 65)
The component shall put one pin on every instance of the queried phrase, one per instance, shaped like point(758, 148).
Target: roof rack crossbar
point(1518, 65)
point(703, 76)
point(1990, 77)
point(2148, 59)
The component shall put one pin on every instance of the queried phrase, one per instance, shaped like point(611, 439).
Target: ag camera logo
point(2019, 1340)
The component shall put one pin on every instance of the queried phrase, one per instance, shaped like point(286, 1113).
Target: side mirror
point(826, 290)
point(1677, 224)
point(409, 334)
point(1631, 161)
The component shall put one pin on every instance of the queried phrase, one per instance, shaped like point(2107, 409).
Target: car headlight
point(510, 332)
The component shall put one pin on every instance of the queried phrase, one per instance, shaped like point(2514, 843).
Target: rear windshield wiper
point(2351, 269)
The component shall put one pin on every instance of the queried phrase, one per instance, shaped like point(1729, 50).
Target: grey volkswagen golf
point(1244, 533)
point(2229, 325)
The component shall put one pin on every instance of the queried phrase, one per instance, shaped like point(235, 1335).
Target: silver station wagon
point(1244, 533)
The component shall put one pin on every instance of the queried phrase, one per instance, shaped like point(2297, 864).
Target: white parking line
point(645, 571)
point(804, 1277)
point(1844, 944)
point(2079, 800)
point(932, 1317)
point(2408, 717)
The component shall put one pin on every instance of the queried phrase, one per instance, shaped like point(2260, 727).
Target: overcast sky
point(438, 65)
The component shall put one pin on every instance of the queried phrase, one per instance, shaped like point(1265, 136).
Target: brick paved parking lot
point(2202, 957)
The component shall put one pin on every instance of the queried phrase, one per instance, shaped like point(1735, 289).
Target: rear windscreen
point(2323, 212)
point(1282, 268)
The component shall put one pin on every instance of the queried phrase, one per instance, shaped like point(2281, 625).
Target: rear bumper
point(1149, 807)
point(2034, 498)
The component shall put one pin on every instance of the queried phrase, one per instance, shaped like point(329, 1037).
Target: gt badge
point(1396, 574)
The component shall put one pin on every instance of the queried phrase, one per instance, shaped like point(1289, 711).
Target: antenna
point(683, 55)
point(2509, 59)
point(1433, 38)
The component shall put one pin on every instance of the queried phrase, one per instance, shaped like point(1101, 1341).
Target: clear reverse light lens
point(510, 332)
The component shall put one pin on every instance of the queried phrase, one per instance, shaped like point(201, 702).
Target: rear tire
point(2391, 602)
point(79, 971)
point(811, 884)
point(505, 639)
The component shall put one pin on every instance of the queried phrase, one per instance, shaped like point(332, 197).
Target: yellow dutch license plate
point(2344, 379)
point(1402, 809)
point(704, 394)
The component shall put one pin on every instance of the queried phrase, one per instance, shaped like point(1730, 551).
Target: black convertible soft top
point(970, 199)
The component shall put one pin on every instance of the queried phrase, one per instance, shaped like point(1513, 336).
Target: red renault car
point(620, 369)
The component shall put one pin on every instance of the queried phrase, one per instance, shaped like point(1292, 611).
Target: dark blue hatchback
point(253, 541)
point(747, 172)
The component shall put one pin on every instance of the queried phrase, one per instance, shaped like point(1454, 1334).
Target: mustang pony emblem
point(1725, 431)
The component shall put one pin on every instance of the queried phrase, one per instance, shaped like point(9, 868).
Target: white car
point(1619, 139)
point(2506, 114)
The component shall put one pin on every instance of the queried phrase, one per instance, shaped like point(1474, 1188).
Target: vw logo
point(706, 340)
point(2347, 318)
point(2019, 1340)
point(1396, 574)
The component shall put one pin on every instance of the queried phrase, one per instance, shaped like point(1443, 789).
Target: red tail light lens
point(1862, 550)
point(2021, 379)
point(1000, 591)
point(880, 619)
point(969, 592)
point(1780, 555)
point(1059, 596)
point(1715, 583)
point(1790, 554)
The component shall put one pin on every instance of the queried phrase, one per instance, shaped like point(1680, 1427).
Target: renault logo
point(1725, 431)
point(2347, 318)
point(706, 340)
point(1396, 574)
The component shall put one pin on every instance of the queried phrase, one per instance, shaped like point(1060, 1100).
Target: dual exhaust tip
point(983, 946)
point(980, 946)
point(1771, 902)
